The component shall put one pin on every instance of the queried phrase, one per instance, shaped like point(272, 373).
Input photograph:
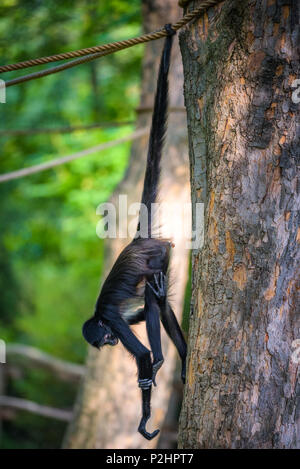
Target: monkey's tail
point(158, 130)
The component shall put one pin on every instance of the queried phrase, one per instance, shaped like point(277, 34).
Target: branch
point(29, 406)
point(64, 369)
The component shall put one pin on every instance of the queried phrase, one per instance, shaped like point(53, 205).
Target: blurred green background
point(50, 256)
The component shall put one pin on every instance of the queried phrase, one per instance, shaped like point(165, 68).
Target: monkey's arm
point(143, 359)
point(146, 408)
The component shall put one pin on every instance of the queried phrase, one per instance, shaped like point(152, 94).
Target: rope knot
point(170, 31)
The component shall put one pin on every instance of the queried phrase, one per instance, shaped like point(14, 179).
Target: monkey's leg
point(173, 330)
point(143, 359)
point(152, 316)
point(169, 320)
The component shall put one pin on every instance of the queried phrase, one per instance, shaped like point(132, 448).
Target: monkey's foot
point(159, 288)
point(156, 366)
point(145, 383)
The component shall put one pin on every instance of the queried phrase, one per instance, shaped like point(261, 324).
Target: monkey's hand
point(146, 415)
point(159, 286)
point(142, 430)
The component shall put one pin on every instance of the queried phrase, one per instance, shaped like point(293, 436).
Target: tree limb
point(66, 370)
point(29, 406)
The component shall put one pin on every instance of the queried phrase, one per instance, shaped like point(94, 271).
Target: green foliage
point(50, 256)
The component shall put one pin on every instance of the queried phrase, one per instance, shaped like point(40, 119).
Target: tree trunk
point(108, 407)
point(240, 63)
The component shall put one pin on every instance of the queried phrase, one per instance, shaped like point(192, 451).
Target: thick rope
point(58, 68)
point(97, 51)
point(66, 159)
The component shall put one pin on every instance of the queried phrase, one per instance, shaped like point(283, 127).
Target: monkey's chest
point(130, 305)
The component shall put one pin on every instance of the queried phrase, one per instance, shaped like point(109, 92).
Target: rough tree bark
point(239, 64)
point(108, 409)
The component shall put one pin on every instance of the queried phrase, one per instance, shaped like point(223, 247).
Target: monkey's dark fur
point(140, 272)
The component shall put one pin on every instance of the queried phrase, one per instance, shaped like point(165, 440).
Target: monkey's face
point(98, 334)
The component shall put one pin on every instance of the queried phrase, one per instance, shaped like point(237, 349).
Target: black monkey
point(140, 272)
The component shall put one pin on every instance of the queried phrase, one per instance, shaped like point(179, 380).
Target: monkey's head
point(98, 334)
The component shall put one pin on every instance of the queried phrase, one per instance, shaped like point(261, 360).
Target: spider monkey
point(139, 273)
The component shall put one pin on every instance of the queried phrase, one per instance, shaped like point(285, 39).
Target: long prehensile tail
point(158, 130)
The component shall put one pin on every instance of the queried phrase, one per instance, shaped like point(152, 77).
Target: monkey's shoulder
point(146, 247)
